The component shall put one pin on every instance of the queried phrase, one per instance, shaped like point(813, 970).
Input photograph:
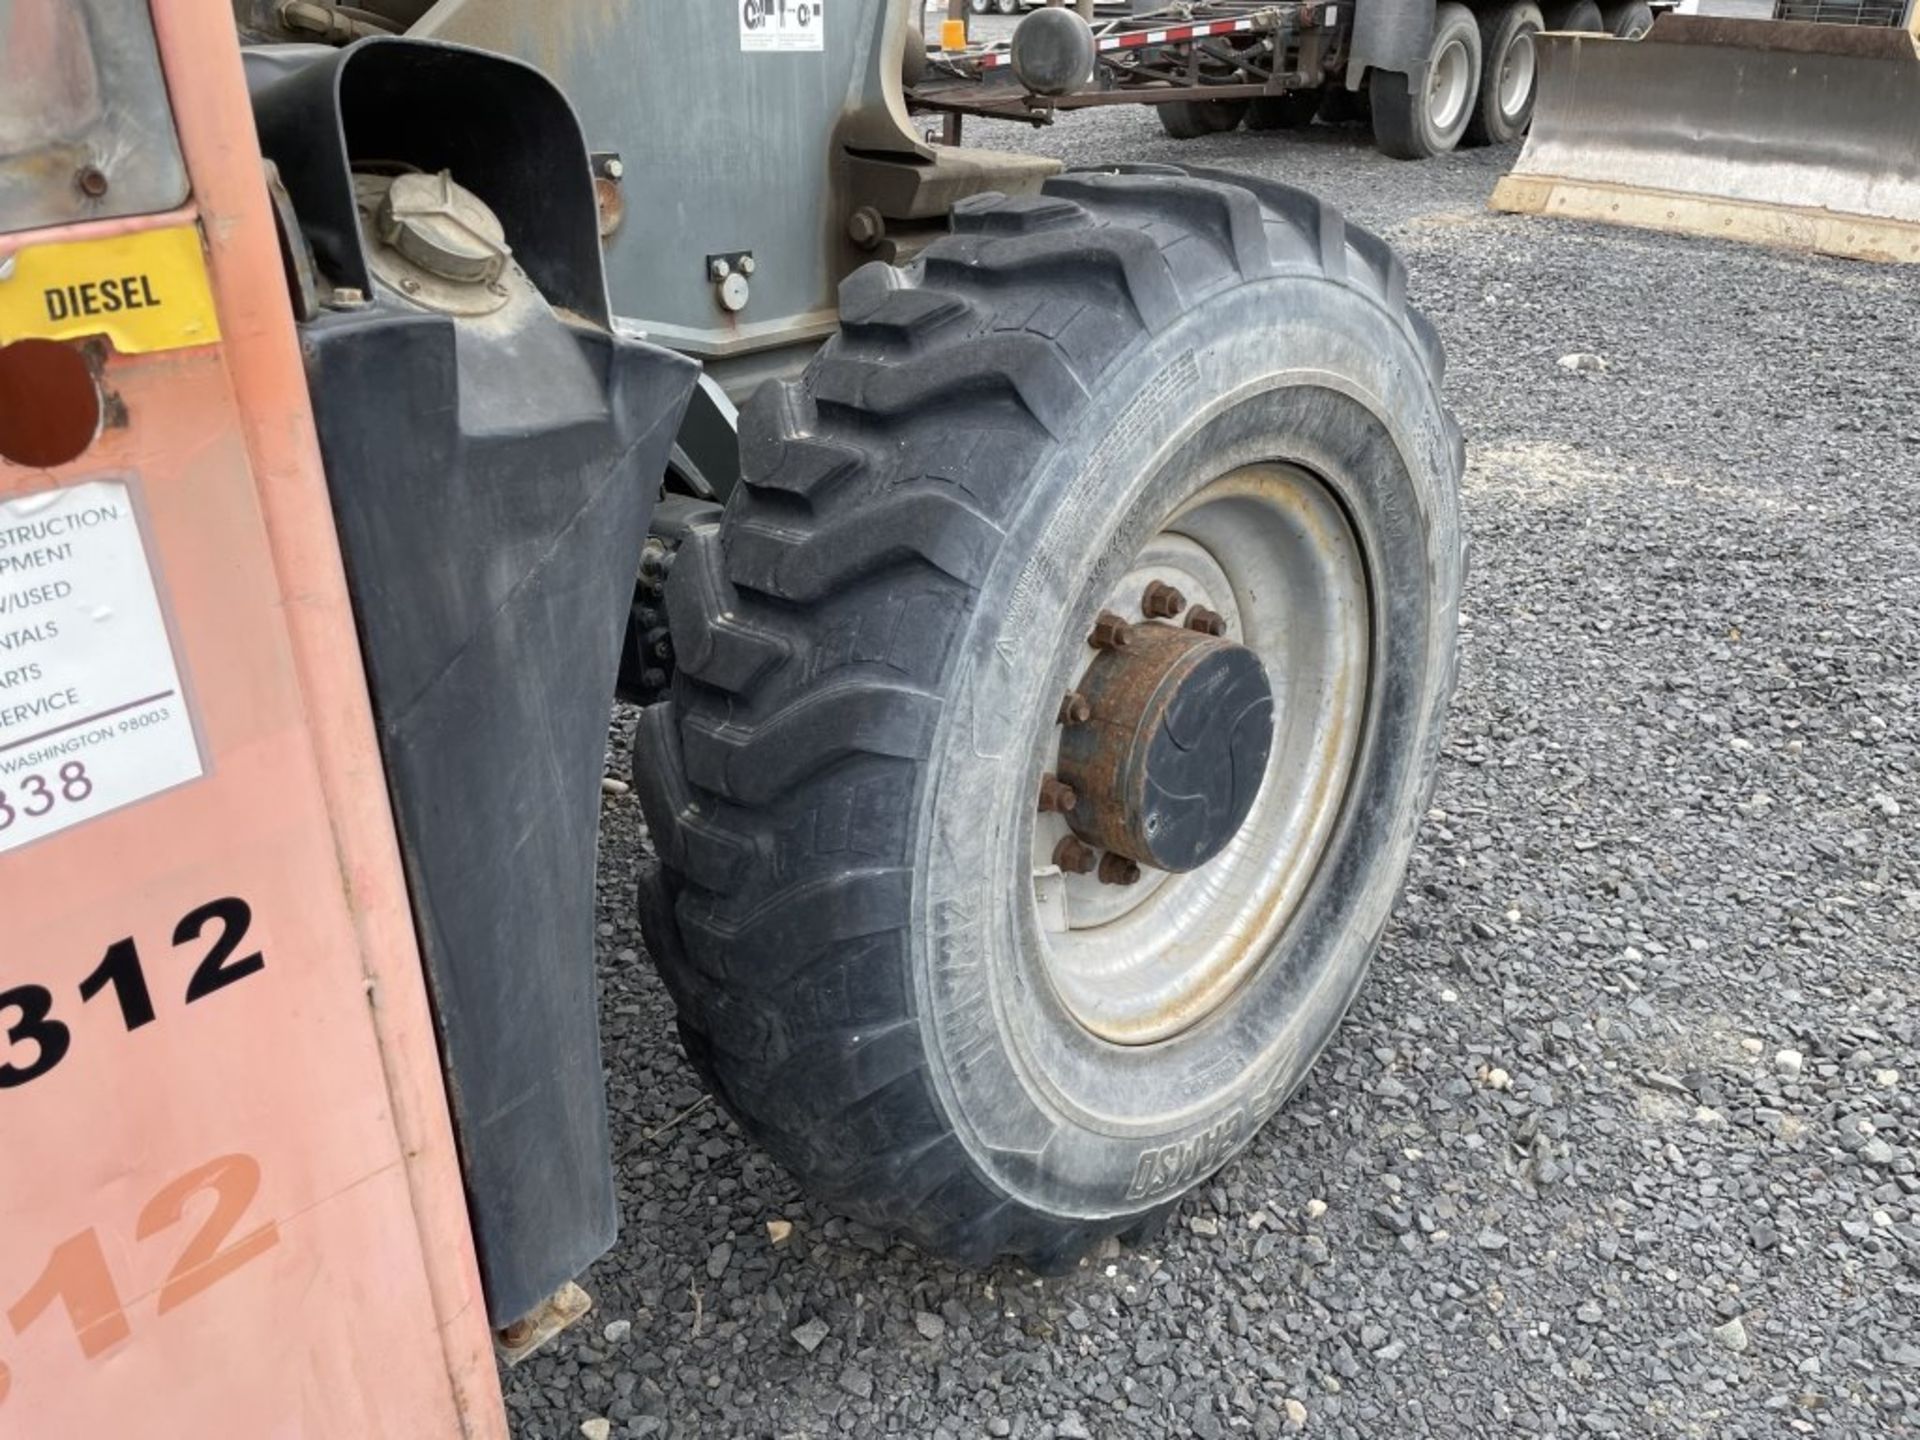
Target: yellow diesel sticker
point(144, 291)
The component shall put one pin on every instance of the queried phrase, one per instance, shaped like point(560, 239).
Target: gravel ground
point(1621, 1139)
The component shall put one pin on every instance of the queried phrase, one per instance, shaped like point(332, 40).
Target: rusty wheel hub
point(1166, 766)
point(1207, 727)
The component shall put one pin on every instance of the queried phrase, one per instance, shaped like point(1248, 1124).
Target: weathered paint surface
point(230, 1199)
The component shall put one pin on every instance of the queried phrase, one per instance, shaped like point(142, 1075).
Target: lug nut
point(1074, 709)
point(1162, 601)
point(1110, 632)
point(1074, 855)
point(1117, 869)
point(1207, 622)
point(1056, 794)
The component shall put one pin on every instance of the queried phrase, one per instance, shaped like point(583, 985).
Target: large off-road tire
point(1191, 119)
point(1507, 73)
point(1418, 122)
point(874, 967)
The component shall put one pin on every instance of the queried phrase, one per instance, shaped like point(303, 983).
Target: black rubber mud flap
point(492, 479)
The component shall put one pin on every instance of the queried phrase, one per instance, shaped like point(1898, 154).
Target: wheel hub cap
point(1229, 723)
point(1447, 89)
point(1166, 767)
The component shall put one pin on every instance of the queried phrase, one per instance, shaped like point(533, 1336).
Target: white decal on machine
point(91, 712)
point(782, 24)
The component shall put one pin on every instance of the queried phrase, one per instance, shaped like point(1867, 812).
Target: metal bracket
point(730, 272)
point(608, 199)
point(554, 1314)
point(728, 262)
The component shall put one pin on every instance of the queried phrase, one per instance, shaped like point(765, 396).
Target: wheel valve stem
point(1074, 855)
point(1055, 794)
point(1074, 709)
point(1110, 632)
point(1207, 622)
point(1162, 601)
point(1117, 869)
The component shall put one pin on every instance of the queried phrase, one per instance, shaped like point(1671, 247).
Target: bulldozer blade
point(1772, 132)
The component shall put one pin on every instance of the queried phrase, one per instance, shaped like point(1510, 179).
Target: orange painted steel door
point(229, 1200)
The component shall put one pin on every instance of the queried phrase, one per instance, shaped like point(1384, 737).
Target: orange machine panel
point(229, 1196)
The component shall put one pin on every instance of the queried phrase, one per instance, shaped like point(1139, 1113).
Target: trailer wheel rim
point(1516, 74)
point(1449, 86)
point(1269, 549)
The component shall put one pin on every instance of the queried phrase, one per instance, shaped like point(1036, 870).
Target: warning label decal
point(91, 712)
point(144, 291)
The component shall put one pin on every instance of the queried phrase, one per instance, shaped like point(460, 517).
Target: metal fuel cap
point(443, 228)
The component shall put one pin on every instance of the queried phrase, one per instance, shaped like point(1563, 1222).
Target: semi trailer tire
point(1418, 122)
point(1507, 73)
point(1628, 19)
point(1581, 16)
point(1191, 119)
point(888, 961)
point(1290, 111)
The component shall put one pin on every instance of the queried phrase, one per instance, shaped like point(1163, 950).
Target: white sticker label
point(782, 24)
point(91, 714)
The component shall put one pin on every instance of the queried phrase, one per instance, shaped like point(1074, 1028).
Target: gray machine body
point(728, 145)
point(723, 151)
point(742, 150)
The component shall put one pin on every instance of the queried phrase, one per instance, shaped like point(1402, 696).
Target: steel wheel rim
point(1447, 88)
point(1270, 548)
point(1516, 74)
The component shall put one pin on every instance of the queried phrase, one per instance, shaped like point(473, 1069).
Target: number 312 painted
point(121, 971)
point(76, 1272)
point(77, 1275)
